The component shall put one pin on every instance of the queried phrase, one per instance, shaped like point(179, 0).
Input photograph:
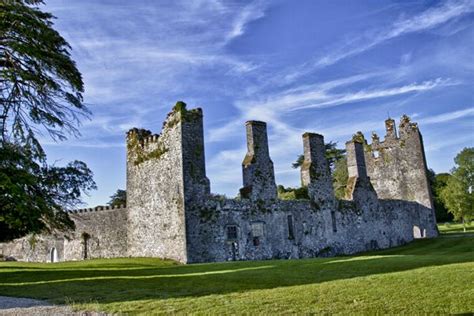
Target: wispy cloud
point(251, 12)
point(449, 116)
point(426, 20)
point(322, 97)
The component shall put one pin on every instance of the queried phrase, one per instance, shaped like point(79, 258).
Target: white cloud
point(429, 19)
point(322, 97)
point(449, 116)
point(249, 13)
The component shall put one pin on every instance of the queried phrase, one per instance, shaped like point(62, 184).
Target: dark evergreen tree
point(40, 90)
point(118, 198)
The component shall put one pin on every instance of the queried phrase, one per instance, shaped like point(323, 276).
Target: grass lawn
point(454, 228)
point(426, 276)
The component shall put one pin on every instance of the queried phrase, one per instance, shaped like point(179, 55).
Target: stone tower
point(398, 171)
point(397, 165)
point(163, 173)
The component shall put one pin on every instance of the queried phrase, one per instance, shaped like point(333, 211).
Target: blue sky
point(331, 67)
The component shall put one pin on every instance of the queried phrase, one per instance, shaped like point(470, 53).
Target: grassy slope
point(426, 276)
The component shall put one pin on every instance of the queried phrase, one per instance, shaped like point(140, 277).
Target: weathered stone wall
point(35, 249)
point(255, 229)
point(263, 231)
point(100, 233)
point(171, 213)
point(156, 184)
point(397, 167)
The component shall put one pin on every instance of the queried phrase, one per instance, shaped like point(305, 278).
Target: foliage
point(458, 193)
point(180, 107)
point(33, 195)
point(40, 85)
point(141, 154)
point(292, 193)
point(437, 183)
point(429, 276)
point(40, 91)
point(118, 198)
point(340, 177)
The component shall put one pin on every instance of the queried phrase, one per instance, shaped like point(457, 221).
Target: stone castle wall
point(172, 214)
point(100, 233)
point(259, 226)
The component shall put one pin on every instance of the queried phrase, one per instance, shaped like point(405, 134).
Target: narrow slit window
point(333, 217)
point(291, 232)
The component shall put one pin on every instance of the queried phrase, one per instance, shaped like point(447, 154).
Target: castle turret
point(315, 173)
point(257, 167)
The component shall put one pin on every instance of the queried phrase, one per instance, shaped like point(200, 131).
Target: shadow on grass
point(119, 280)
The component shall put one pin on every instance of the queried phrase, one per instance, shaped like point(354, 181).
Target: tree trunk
point(463, 224)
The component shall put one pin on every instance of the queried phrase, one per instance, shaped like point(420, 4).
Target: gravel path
point(26, 306)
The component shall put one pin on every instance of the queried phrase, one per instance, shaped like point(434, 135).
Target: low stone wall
point(42, 248)
point(100, 233)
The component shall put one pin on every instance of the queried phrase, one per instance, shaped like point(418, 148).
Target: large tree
point(33, 195)
point(118, 198)
point(40, 91)
point(458, 193)
point(437, 183)
point(40, 86)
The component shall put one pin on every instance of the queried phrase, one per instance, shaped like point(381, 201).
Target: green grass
point(454, 228)
point(424, 277)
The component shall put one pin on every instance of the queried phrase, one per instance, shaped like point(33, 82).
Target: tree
point(33, 195)
point(40, 86)
point(40, 90)
point(118, 198)
point(437, 183)
point(340, 176)
point(458, 194)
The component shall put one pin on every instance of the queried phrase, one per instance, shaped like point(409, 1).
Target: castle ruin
point(171, 212)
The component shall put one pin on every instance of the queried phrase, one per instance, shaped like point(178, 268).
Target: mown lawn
point(424, 277)
point(454, 228)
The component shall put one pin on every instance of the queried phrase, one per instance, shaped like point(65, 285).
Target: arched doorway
point(53, 255)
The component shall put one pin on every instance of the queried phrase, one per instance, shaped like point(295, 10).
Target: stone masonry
point(171, 213)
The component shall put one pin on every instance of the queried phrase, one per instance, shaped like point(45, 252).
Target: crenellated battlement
point(97, 209)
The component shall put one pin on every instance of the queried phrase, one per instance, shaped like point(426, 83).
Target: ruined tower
point(397, 165)
point(315, 173)
point(257, 167)
point(164, 172)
